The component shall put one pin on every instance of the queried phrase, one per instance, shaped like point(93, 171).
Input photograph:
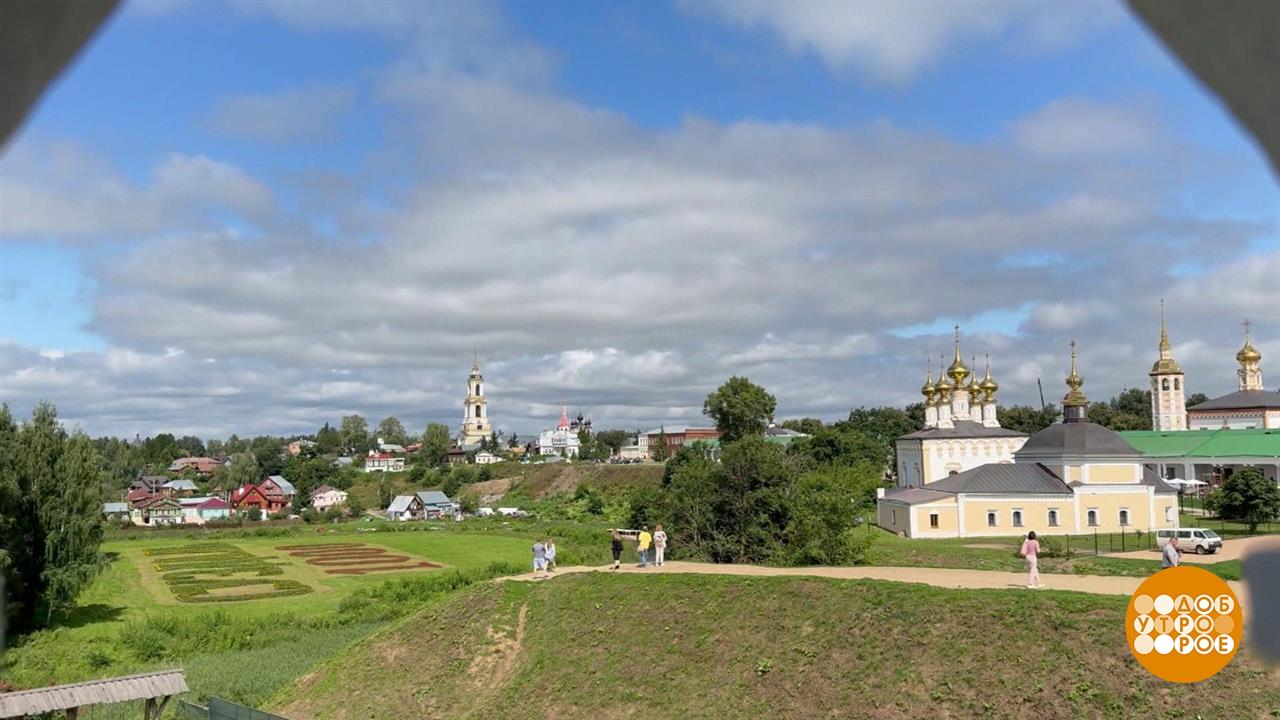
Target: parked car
point(1197, 540)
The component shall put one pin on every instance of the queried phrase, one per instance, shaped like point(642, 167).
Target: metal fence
point(220, 709)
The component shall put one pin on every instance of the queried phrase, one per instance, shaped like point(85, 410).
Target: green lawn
point(689, 646)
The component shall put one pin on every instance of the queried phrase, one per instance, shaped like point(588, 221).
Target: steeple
point(930, 393)
point(1074, 403)
point(1166, 365)
point(989, 385)
point(1250, 372)
point(975, 386)
point(957, 371)
point(564, 417)
point(475, 408)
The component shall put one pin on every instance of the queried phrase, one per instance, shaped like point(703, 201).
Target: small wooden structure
point(156, 688)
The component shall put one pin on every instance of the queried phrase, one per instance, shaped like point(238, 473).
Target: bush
point(1052, 547)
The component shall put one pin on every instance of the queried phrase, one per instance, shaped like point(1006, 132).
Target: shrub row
point(197, 590)
point(302, 549)
point(379, 568)
point(186, 570)
point(379, 560)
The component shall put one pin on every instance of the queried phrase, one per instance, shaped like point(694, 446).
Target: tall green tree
point(391, 430)
point(435, 445)
point(355, 434)
point(1250, 497)
point(328, 441)
point(740, 408)
point(1027, 419)
point(50, 515)
point(808, 425)
point(1196, 399)
point(659, 448)
point(243, 468)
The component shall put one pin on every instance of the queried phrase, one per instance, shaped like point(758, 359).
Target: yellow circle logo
point(1184, 624)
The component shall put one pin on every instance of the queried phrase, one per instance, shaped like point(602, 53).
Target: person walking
point(1031, 551)
point(539, 559)
point(616, 546)
point(643, 541)
point(659, 545)
point(551, 555)
point(1171, 554)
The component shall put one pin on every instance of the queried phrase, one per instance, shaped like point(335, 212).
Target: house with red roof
point(249, 496)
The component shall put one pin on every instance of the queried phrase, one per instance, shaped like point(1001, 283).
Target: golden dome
point(989, 385)
point(975, 385)
point(943, 386)
point(929, 389)
point(957, 371)
point(1074, 398)
point(1248, 353)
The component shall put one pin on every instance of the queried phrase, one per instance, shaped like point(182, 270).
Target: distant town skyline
point(255, 218)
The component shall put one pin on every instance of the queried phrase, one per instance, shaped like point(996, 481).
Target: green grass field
point(666, 646)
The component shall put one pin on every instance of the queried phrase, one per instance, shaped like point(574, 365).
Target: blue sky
point(282, 142)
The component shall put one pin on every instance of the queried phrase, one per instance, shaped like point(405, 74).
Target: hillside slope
point(538, 481)
point(665, 646)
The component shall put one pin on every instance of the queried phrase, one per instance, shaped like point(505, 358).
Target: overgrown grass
point(689, 646)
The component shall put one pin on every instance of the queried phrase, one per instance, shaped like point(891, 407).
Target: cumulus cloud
point(626, 271)
point(304, 115)
point(892, 42)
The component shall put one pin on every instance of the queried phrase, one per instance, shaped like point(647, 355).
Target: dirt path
point(937, 577)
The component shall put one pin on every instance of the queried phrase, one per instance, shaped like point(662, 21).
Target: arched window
point(1177, 383)
point(477, 388)
point(1053, 518)
point(991, 519)
point(1092, 518)
point(1124, 517)
point(1164, 384)
point(1017, 518)
point(477, 411)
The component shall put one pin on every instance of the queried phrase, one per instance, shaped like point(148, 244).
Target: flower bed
point(193, 572)
point(354, 558)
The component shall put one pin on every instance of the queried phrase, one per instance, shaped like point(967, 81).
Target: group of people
point(544, 557)
point(1170, 556)
point(644, 540)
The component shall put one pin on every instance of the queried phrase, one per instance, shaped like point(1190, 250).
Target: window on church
point(1053, 517)
point(1164, 384)
point(1124, 517)
point(1017, 518)
point(477, 411)
point(933, 520)
point(1092, 517)
point(991, 519)
point(1177, 383)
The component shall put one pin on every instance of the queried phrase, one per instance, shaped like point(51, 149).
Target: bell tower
point(475, 409)
point(1168, 397)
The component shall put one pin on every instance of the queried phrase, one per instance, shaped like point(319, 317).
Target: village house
point(325, 497)
point(484, 457)
point(457, 455)
point(180, 487)
point(435, 502)
point(405, 507)
point(149, 483)
point(115, 510)
point(296, 447)
point(278, 490)
point(199, 510)
point(157, 510)
point(249, 496)
point(202, 465)
point(383, 462)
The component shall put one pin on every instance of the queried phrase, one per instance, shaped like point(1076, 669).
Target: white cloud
point(303, 115)
point(1084, 129)
point(892, 41)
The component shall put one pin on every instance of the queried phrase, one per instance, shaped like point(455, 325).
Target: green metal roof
point(1206, 443)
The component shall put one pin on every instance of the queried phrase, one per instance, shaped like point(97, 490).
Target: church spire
point(957, 370)
point(1250, 372)
point(1074, 403)
point(1165, 365)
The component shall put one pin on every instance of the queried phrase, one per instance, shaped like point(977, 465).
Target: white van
point(1197, 540)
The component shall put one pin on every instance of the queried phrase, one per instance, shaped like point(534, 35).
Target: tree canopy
point(391, 430)
point(1027, 419)
point(50, 516)
point(435, 445)
point(1248, 496)
point(739, 408)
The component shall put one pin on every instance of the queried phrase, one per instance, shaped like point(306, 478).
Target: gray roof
point(434, 497)
point(1004, 478)
point(402, 503)
point(115, 507)
point(286, 487)
point(1076, 439)
point(110, 690)
point(181, 484)
point(915, 495)
point(1150, 477)
point(962, 429)
point(1241, 400)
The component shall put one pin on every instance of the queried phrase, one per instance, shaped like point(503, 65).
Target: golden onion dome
point(929, 388)
point(943, 386)
point(975, 385)
point(1248, 353)
point(1074, 397)
point(989, 385)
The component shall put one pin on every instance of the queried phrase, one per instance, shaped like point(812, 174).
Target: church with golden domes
point(961, 426)
point(1072, 477)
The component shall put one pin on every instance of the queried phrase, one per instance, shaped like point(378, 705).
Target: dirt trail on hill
point(937, 577)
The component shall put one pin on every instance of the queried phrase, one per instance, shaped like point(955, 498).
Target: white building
point(1168, 397)
point(639, 450)
point(962, 427)
point(475, 410)
point(484, 457)
point(383, 462)
point(563, 441)
point(325, 497)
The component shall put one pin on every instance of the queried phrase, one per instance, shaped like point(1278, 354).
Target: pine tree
point(71, 514)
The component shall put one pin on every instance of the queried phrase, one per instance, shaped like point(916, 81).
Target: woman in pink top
point(1031, 550)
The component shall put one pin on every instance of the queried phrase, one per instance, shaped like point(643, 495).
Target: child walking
point(616, 546)
point(551, 555)
point(1031, 551)
point(659, 545)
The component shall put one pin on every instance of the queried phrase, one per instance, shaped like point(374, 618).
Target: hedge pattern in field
point(194, 572)
point(353, 558)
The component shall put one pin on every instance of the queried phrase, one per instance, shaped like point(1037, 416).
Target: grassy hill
point(539, 482)
point(602, 646)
